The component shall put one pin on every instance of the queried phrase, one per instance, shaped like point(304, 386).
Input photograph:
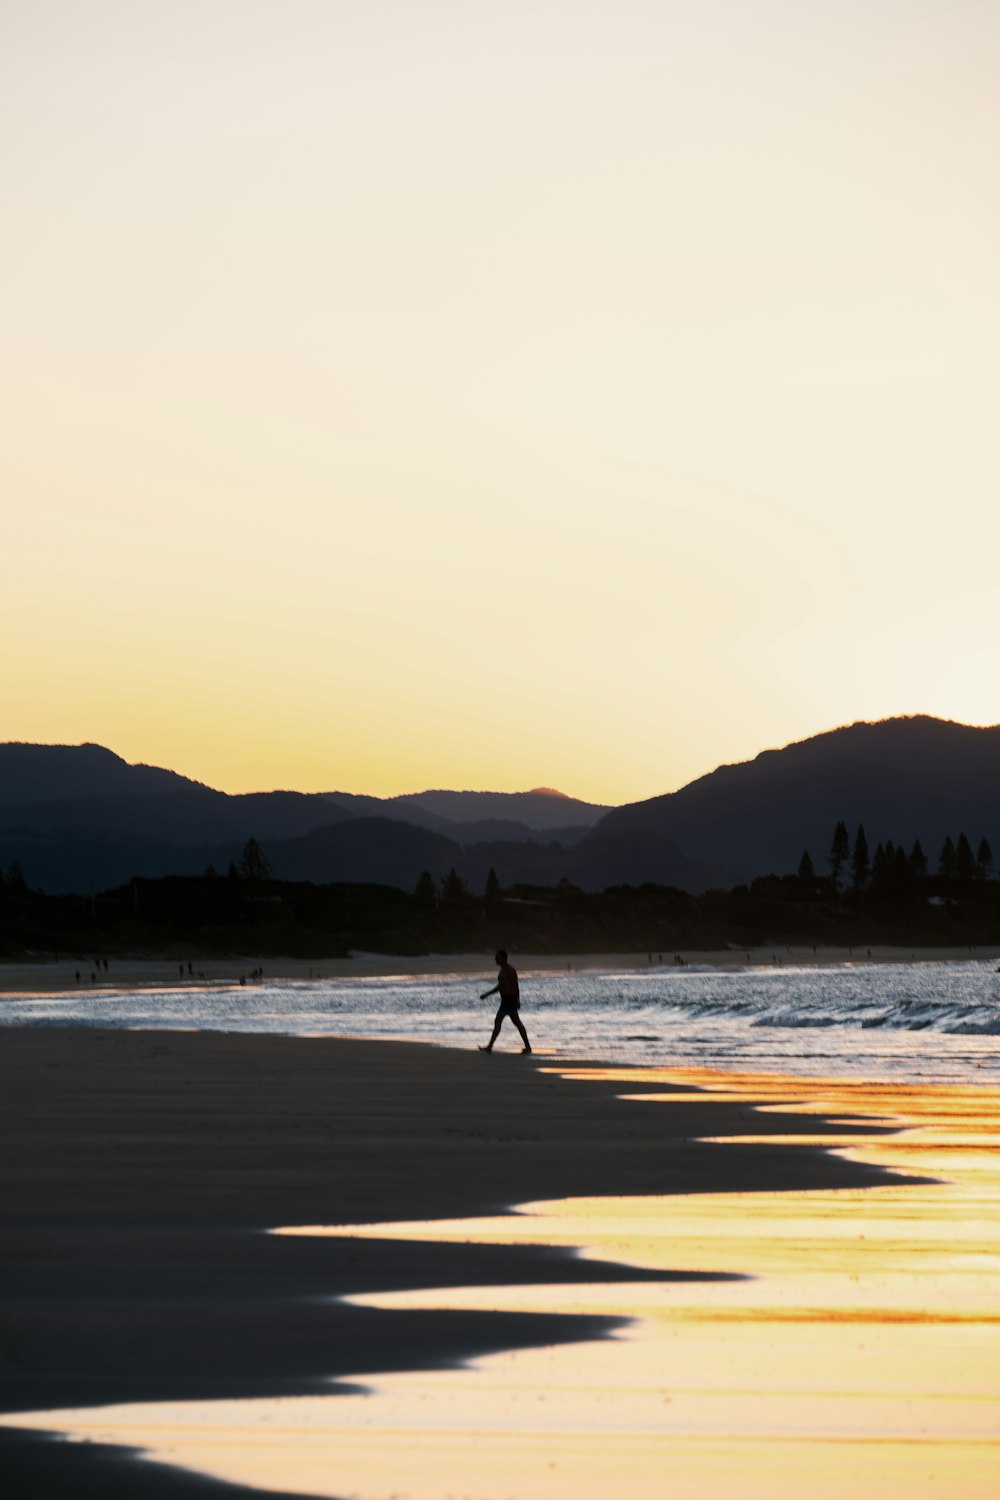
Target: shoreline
point(44, 976)
point(138, 1169)
point(822, 1245)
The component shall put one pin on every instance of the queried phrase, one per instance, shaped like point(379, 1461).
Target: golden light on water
point(852, 1349)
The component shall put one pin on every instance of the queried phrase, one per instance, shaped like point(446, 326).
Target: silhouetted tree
point(254, 869)
point(425, 887)
point(806, 871)
point(859, 859)
point(454, 886)
point(948, 860)
point(840, 848)
point(918, 861)
point(879, 864)
point(984, 860)
point(965, 862)
point(253, 866)
point(492, 885)
point(891, 868)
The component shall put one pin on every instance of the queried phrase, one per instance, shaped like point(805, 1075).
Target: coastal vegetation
point(865, 898)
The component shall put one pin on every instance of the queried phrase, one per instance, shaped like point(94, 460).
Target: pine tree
point(859, 859)
point(254, 869)
point(454, 886)
point(948, 860)
point(806, 871)
point(918, 861)
point(984, 860)
point(964, 859)
point(879, 866)
point(492, 885)
point(839, 850)
point(253, 866)
point(425, 889)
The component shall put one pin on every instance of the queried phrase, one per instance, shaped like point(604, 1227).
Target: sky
point(495, 395)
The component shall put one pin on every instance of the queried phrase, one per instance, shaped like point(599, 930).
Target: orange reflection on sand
point(856, 1353)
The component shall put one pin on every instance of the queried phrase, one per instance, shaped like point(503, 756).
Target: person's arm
point(487, 993)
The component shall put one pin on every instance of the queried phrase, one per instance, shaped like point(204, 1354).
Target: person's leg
point(496, 1030)
point(515, 1017)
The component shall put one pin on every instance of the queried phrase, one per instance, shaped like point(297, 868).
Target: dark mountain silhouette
point(194, 814)
point(382, 851)
point(78, 817)
point(903, 779)
point(49, 773)
point(543, 810)
point(76, 788)
point(539, 811)
point(60, 861)
point(498, 830)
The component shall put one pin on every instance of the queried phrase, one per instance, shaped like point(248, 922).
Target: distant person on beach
point(510, 1000)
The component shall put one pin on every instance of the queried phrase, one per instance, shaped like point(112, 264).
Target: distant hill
point(77, 817)
point(50, 773)
point(542, 810)
point(379, 850)
point(903, 779)
point(539, 811)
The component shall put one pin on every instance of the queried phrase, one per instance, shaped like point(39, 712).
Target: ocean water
point(915, 1022)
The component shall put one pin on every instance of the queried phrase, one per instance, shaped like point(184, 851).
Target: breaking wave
point(920, 1021)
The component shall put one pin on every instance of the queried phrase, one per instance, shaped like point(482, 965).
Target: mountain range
point(76, 818)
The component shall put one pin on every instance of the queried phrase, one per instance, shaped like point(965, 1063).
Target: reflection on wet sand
point(855, 1347)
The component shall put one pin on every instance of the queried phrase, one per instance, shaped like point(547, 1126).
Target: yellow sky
point(434, 394)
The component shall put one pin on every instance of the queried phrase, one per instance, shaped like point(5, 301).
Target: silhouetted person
point(510, 1000)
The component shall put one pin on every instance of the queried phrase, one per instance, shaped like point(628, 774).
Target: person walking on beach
point(510, 1001)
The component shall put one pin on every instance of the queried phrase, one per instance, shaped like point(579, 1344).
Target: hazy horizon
point(444, 392)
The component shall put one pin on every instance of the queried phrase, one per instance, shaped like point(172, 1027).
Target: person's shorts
point(508, 1008)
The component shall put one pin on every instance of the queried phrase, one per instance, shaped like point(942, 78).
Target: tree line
point(892, 866)
point(888, 897)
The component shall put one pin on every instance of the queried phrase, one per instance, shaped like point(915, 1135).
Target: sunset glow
point(482, 396)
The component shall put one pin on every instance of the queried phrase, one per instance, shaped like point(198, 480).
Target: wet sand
point(138, 1170)
point(859, 1357)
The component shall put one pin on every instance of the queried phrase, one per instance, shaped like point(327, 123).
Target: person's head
point(501, 955)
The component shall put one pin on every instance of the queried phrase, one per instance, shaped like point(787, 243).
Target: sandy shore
point(137, 1170)
point(46, 976)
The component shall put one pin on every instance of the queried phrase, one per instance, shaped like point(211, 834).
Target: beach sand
point(138, 1169)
